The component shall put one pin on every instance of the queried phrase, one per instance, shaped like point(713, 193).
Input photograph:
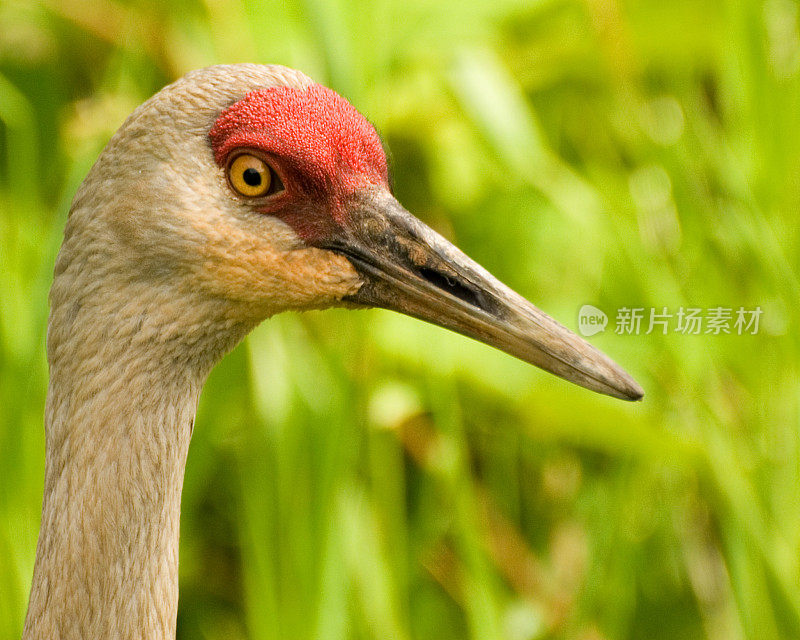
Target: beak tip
point(635, 393)
point(630, 390)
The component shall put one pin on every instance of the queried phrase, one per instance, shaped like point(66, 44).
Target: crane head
point(280, 189)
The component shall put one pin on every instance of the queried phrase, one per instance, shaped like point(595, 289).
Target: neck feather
point(120, 409)
point(107, 557)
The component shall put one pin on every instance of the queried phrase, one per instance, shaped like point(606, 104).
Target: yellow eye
point(252, 177)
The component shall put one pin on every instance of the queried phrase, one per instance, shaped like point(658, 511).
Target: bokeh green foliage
point(362, 475)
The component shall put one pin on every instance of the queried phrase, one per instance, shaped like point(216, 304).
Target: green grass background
point(362, 475)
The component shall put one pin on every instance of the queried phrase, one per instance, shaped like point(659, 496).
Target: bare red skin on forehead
point(324, 149)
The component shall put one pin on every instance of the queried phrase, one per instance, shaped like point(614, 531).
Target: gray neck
point(118, 422)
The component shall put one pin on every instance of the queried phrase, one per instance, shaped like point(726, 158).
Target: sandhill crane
point(233, 194)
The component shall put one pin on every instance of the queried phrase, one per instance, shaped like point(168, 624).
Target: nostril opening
point(453, 286)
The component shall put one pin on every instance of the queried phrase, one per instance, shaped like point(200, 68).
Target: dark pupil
point(252, 177)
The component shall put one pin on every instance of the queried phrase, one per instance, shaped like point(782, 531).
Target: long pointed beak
point(408, 267)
